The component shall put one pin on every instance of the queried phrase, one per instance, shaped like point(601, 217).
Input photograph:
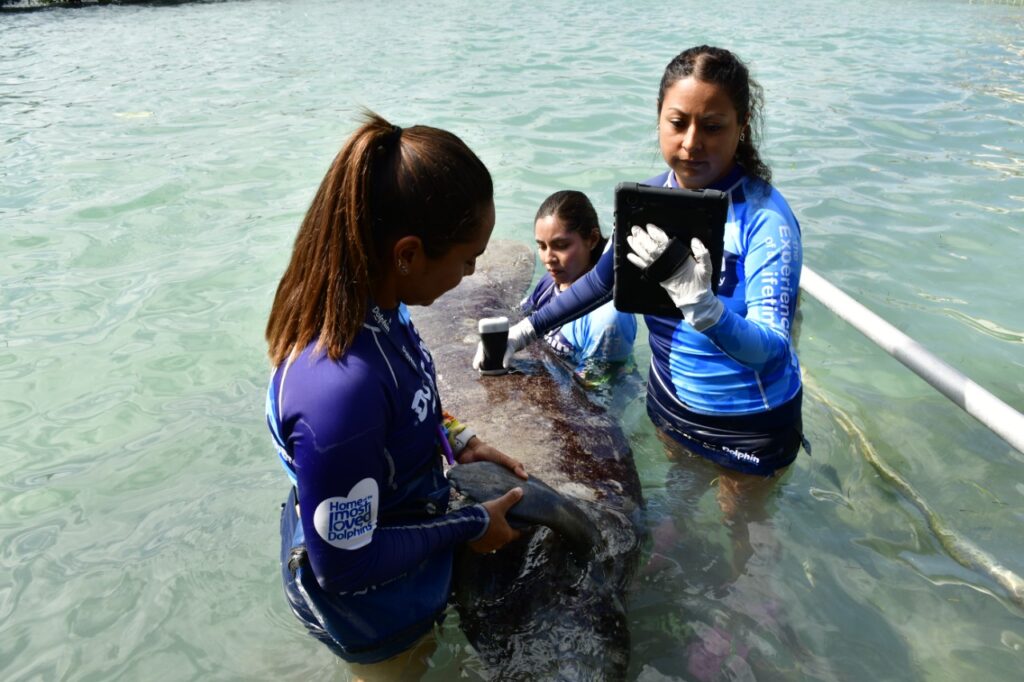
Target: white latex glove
point(689, 287)
point(520, 335)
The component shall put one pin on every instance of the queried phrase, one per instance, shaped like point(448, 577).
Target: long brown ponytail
point(385, 183)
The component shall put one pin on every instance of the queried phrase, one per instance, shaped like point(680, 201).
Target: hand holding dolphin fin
point(478, 451)
point(498, 532)
point(540, 504)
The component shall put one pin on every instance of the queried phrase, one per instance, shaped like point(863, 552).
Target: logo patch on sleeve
point(349, 522)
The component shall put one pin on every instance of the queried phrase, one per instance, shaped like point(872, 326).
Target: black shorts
point(760, 443)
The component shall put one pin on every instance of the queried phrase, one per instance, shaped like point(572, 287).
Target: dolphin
point(540, 608)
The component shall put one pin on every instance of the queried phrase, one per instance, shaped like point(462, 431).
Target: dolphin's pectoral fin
point(541, 504)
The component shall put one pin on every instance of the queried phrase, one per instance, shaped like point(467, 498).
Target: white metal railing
point(999, 417)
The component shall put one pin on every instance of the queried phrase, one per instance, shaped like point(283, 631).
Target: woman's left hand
point(478, 451)
point(689, 286)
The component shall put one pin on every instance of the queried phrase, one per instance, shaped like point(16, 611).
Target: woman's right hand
point(520, 336)
point(499, 533)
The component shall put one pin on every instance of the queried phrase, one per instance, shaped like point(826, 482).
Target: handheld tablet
point(681, 213)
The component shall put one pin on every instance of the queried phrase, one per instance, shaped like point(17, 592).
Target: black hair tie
point(395, 136)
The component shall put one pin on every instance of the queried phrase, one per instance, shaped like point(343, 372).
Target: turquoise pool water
point(157, 160)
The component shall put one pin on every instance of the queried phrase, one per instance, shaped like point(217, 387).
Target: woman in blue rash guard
point(367, 540)
point(724, 382)
point(569, 243)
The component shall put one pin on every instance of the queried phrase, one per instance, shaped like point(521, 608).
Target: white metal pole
point(1002, 419)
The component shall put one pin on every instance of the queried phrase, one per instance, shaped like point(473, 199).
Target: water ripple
point(152, 192)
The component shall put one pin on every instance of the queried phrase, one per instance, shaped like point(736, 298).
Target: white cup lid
point(493, 324)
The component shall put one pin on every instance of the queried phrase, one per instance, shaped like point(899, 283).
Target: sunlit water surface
point(156, 162)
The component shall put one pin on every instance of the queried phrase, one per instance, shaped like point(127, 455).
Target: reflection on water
point(724, 595)
point(156, 163)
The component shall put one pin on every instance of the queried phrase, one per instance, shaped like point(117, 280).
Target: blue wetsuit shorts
point(760, 443)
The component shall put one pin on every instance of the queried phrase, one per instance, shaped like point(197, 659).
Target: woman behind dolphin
point(569, 243)
point(366, 537)
point(724, 381)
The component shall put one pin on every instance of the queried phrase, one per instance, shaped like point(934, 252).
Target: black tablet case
point(681, 213)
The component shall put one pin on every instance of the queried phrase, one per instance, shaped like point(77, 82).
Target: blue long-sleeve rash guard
point(359, 437)
point(744, 363)
point(601, 336)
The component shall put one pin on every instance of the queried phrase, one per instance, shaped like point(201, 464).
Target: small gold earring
point(743, 136)
point(403, 268)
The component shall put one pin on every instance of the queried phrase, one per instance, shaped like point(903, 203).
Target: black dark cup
point(494, 336)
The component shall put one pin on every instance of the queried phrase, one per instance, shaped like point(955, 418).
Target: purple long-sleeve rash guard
point(359, 439)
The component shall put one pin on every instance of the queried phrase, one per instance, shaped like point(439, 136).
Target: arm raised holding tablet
point(689, 285)
point(680, 216)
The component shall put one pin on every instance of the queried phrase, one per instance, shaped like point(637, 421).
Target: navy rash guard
point(359, 437)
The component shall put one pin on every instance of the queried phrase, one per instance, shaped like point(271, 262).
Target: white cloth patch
point(349, 522)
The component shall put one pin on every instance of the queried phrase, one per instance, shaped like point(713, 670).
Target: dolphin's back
point(529, 610)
